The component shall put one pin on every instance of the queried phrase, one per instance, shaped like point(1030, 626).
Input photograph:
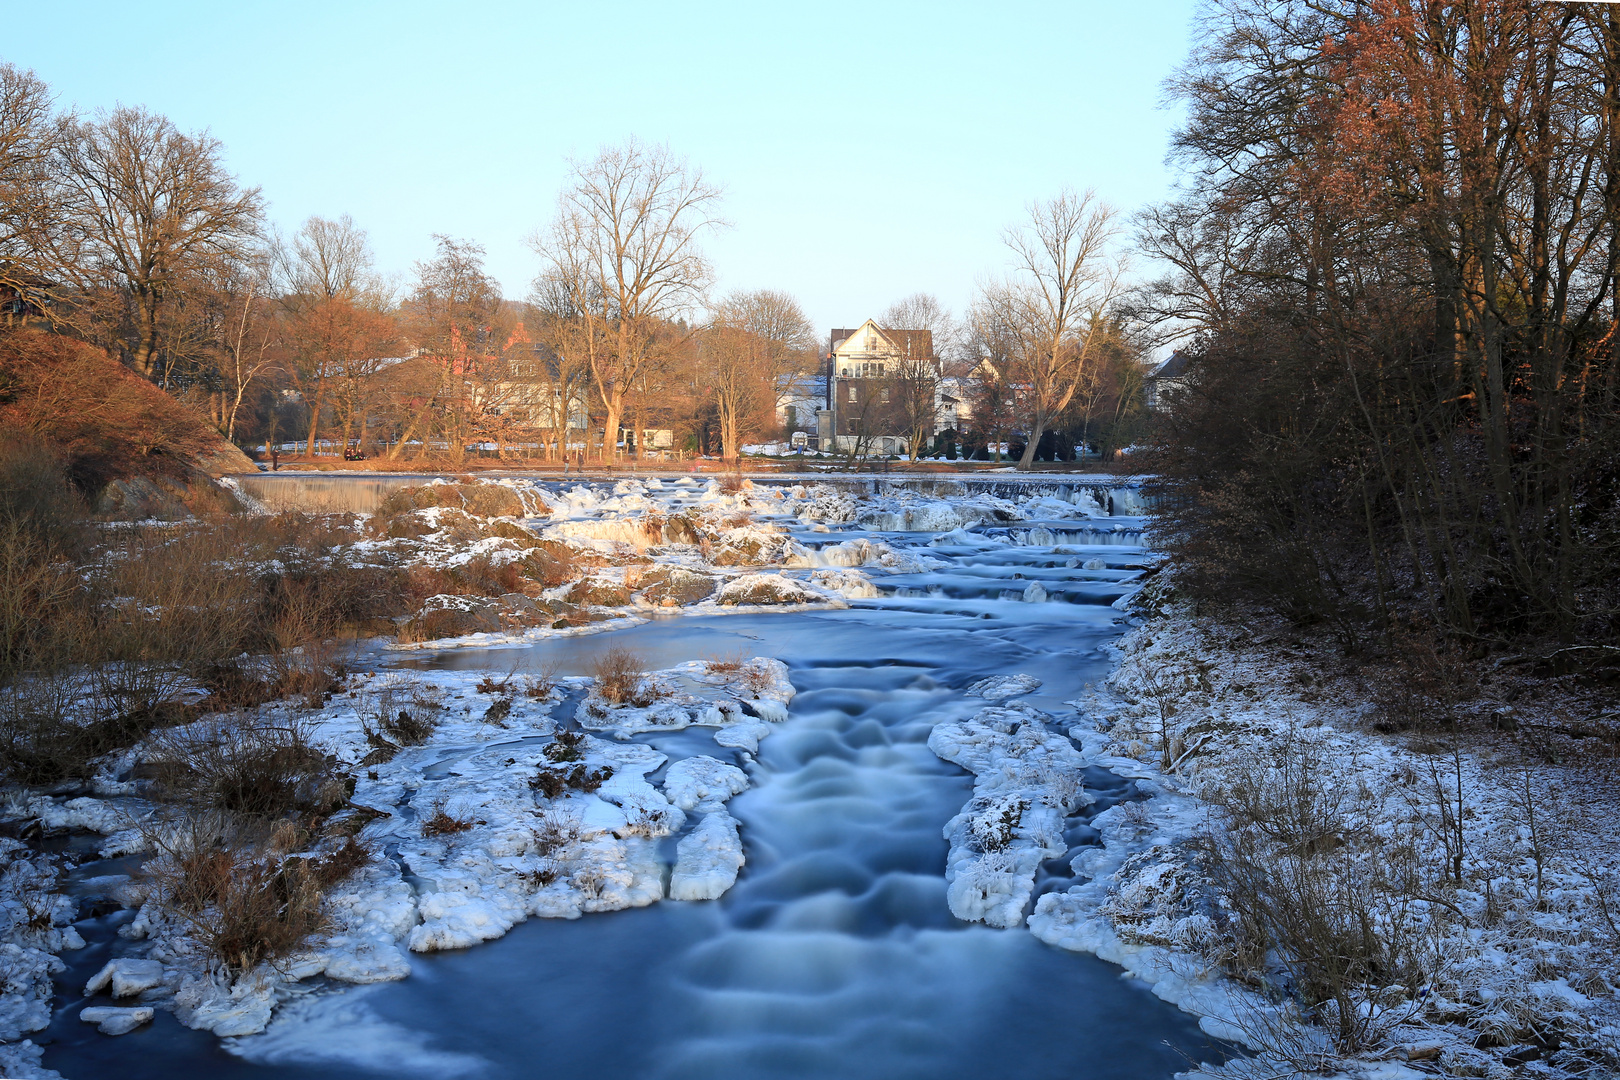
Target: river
point(834, 955)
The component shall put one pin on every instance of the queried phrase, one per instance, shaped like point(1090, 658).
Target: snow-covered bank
point(1514, 958)
point(496, 817)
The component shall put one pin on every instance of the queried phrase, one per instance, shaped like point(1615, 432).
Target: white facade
point(866, 354)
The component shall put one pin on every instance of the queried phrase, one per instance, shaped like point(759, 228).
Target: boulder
point(445, 616)
point(676, 584)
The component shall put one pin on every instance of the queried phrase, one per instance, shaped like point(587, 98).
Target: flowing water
point(835, 954)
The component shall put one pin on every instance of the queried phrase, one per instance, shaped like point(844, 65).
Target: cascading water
point(835, 954)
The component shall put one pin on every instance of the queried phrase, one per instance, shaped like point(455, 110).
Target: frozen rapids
point(835, 954)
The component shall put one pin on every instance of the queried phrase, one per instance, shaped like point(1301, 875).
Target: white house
point(1164, 382)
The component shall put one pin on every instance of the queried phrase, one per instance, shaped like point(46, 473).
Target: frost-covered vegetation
point(1335, 886)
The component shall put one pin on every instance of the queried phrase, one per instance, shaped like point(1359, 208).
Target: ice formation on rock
point(703, 782)
point(707, 859)
point(1026, 780)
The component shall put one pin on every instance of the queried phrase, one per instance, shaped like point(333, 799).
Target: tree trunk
point(314, 422)
point(1036, 431)
point(144, 356)
point(610, 430)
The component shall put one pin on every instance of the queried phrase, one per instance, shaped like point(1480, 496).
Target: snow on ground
point(469, 841)
point(1520, 974)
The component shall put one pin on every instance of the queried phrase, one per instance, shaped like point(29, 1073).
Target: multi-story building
point(870, 372)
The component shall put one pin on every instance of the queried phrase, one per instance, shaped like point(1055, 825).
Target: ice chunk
point(703, 779)
point(240, 1009)
point(1093, 564)
point(26, 975)
point(707, 860)
point(745, 736)
point(366, 960)
point(1002, 687)
point(116, 1021)
point(24, 1060)
point(127, 977)
point(1035, 594)
point(454, 920)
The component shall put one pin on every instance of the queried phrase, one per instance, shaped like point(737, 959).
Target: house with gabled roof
point(1163, 383)
point(864, 366)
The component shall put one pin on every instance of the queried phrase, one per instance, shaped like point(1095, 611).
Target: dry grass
point(618, 673)
point(240, 902)
point(247, 766)
point(558, 832)
point(736, 668)
point(91, 662)
point(441, 822)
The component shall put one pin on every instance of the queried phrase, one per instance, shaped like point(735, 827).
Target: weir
point(362, 493)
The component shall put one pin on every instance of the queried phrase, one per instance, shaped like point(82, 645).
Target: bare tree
point(625, 239)
point(754, 342)
point(28, 227)
point(450, 313)
point(917, 371)
point(1053, 303)
point(559, 377)
point(338, 327)
point(148, 206)
point(251, 334)
point(328, 258)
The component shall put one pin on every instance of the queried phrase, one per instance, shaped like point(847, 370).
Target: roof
point(1173, 368)
point(909, 343)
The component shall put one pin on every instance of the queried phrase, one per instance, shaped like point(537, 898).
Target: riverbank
point(1345, 892)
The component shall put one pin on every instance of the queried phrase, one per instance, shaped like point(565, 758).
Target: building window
point(880, 371)
point(884, 395)
point(852, 393)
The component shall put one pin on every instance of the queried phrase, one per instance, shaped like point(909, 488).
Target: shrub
point(550, 782)
point(443, 823)
point(48, 734)
point(1304, 882)
point(37, 496)
point(246, 766)
point(565, 746)
point(401, 709)
point(542, 684)
point(409, 729)
point(618, 674)
point(553, 783)
point(489, 685)
point(241, 904)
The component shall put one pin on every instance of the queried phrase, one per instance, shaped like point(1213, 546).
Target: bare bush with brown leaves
point(618, 673)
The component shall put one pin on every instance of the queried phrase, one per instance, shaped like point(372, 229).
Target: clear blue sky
point(867, 150)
